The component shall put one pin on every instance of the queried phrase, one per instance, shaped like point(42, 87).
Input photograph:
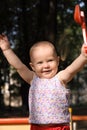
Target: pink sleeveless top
point(48, 102)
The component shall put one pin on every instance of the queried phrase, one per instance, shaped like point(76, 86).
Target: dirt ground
point(14, 127)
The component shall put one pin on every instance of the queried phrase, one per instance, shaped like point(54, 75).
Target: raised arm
point(77, 65)
point(13, 60)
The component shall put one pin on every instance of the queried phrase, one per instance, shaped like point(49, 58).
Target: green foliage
point(25, 22)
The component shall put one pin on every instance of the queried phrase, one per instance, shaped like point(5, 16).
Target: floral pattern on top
point(48, 102)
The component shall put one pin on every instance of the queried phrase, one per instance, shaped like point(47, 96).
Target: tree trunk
point(47, 20)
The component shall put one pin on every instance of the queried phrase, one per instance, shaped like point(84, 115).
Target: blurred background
point(26, 22)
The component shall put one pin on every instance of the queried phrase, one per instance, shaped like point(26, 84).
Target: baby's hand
point(84, 50)
point(4, 43)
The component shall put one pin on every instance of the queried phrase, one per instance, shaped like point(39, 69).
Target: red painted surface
point(25, 120)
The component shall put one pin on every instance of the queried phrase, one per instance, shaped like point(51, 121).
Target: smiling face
point(44, 60)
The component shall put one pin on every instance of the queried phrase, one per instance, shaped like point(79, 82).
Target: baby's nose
point(46, 65)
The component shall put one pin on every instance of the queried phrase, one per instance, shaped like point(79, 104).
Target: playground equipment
point(71, 123)
point(79, 17)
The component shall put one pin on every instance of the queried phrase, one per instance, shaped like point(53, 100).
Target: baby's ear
point(58, 58)
point(32, 66)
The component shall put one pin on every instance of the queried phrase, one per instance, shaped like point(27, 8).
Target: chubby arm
point(67, 74)
point(13, 60)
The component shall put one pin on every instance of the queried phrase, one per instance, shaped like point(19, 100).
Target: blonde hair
point(42, 43)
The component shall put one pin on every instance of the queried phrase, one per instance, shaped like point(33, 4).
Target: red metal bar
point(4, 121)
point(14, 121)
point(79, 117)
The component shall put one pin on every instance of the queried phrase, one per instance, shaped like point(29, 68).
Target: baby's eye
point(50, 60)
point(40, 62)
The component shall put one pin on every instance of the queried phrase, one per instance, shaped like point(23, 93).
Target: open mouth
point(46, 71)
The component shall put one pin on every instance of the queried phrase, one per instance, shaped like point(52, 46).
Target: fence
point(22, 123)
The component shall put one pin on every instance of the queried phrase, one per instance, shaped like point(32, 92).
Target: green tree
point(25, 22)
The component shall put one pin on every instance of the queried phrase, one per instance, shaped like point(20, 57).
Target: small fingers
point(2, 36)
point(85, 48)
